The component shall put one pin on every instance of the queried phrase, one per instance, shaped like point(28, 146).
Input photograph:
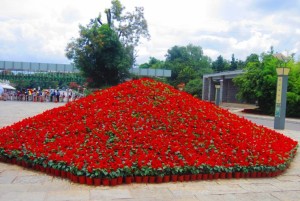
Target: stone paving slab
point(260, 187)
point(48, 187)
point(292, 195)
point(68, 195)
point(15, 188)
point(110, 194)
point(18, 184)
point(23, 196)
point(35, 179)
point(240, 197)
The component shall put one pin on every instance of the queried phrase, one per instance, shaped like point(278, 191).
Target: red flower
point(142, 123)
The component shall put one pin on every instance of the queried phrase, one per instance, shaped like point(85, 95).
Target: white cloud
point(211, 53)
point(6, 33)
point(258, 41)
point(39, 30)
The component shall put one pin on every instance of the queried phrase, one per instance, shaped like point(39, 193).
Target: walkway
point(18, 184)
point(268, 121)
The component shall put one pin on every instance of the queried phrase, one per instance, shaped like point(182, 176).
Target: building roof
point(225, 74)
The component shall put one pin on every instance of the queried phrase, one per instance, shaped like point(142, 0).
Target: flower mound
point(144, 128)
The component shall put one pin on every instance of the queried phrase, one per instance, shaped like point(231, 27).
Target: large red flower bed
point(144, 128)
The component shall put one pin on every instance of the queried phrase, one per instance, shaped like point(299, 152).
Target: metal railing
point(151, 72)
point(69, 68)
point(37, 67)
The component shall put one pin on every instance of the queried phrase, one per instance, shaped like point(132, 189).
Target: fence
point(37, 67)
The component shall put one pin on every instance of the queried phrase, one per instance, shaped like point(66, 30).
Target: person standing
point(34, 95)
point(26, 95)
point(1, 92)
point(57, 95)
point(52, 95)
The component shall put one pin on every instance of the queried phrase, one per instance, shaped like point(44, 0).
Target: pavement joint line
point(90, 196)
point(290, 120)
point(171, 192)
point(275, 197)
point(12, 182)
point(271, 118)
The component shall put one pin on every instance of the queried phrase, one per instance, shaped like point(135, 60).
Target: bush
point(293, 102)
point(194, 87)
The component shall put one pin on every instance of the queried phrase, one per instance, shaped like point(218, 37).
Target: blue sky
point(39, 30)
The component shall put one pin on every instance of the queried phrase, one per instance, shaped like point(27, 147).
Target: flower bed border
point(110, 138)
point(80, 177)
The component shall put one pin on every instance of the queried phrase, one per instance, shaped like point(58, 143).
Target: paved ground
point(18, 184)
point(268, 121)
point(13, 111)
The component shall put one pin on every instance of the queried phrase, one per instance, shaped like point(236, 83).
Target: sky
point(39, 30)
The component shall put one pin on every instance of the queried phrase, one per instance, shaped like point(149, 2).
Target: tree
point(130, 27)
point(144, 65)
point(194, 87)
point(240, 64)
point(104, 52)
point(42, 80)
point(220, 64)
point(252, 58)
point(293, 94)
point(233, 63)
point(153, 64)
point(259, 83)
point(187, 74)
point(247, 82)
point(187, 63)
point(100, 55)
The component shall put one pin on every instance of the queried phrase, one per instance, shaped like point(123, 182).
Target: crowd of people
point(37, 95)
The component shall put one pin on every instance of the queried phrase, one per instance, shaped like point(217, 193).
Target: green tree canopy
point(252, 58)
point(220, 64)
point(293, 94)
point(99, 54)
point(187, 63)
point(42, 80)
point(104, 52)
point(233, 63)
point(130, 26)
point(258, 83)
point(194, 87)
point(153, 64)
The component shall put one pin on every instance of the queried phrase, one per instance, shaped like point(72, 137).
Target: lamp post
point(282, 83)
